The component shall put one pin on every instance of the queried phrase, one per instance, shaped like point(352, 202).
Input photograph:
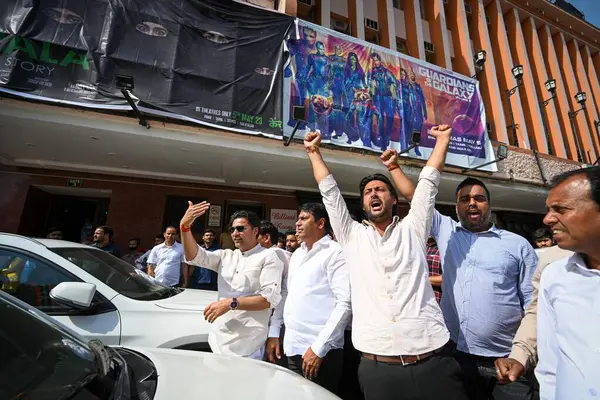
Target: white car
point(102, 297)
point(43, 360)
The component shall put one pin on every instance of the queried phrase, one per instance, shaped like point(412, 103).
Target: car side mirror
point(74, 294)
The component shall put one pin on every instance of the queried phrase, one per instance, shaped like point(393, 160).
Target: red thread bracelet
point(184, 228)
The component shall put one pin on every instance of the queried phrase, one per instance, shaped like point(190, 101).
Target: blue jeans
point(481, 384)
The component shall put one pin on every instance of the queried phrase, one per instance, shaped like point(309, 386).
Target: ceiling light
point(94, 138)
point(30, 144)
point(112, 154)
point(125, 166)
point(190, 163)
point(185, 150)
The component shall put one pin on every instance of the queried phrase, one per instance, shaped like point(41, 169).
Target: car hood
point(196, 375)
point(188, 300)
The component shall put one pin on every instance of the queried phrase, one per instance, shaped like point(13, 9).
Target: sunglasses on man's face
point(240, 229)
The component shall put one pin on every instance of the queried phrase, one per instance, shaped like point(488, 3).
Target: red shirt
point(435, 267)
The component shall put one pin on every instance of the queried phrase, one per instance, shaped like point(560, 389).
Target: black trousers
point(349, 387)
point(480, 380)
point(434, 378)
point(330, 371)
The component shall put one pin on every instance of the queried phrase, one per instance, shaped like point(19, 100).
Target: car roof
point(49, 243)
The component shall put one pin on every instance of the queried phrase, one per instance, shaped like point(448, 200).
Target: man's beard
point(485, 221)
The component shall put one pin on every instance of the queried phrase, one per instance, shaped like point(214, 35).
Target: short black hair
point(290, 232)
point(107, 230)
point(137, 239)
point(281, 237)
point(377, 177)
point(318, 211)
point(251, 216)
point(541, 234)
point(53, 229)
point(375, 55)
point(472, 182)
point(208, 231)
point(592, 175)
point(159, 236)
point(267, 228)
point(171, 226)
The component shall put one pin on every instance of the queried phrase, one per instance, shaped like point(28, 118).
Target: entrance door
point(69, 209)
point(72, 213)
point(233, 206)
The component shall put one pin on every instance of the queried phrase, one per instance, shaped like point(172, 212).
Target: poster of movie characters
point(365, 96)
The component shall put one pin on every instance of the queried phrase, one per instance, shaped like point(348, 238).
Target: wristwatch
point(234, 304)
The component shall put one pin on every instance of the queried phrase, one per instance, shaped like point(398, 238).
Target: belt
point(404, 360)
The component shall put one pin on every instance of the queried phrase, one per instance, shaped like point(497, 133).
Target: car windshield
point(40, 359)
point(116, 273)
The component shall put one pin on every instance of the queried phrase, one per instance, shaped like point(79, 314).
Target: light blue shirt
point(569, 331)
point(486, 285)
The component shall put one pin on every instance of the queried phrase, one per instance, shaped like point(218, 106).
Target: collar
point(395, 221)
point(212, 246)
point(576, 263)
point(253, 250)
point(323, 242)
point(493, 230)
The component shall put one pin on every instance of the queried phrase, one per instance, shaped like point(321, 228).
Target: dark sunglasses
point(240, 229)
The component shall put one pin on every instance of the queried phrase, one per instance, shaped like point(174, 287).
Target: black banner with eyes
point(213, 62)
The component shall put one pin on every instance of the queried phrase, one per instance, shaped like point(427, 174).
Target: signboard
point(213, 62)
point(364, 96)
point(284, 220)
point(72, 182)
point(214, 216)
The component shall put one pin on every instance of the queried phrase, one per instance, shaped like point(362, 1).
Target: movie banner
point(364, 96)
point(212, 62)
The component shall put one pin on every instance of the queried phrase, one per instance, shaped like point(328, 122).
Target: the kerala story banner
point(365, 96)
point(212, 62)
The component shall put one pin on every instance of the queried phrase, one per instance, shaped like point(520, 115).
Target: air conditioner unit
point(429, 47)
point(340, 26)
point(307, 2)
point(488, 20)
point(369, 23)
point(468, 9)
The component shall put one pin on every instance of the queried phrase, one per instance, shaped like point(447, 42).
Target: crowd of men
point(436, 308)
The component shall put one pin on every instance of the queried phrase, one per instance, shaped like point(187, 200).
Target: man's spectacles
point(240, 229)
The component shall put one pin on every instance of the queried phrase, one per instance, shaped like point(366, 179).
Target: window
point(39, 359)
point(31, 280)
point(401, 45)
point(430, 58)
point(116, 273)
point(397, 4)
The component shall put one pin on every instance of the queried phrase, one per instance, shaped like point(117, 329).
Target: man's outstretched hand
point(312, 141)
point(441, 132)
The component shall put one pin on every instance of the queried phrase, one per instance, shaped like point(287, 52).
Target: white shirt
point(256, 272)
point(394, 309)
point(569, 331)
point(317, 307)
point(167, 261)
